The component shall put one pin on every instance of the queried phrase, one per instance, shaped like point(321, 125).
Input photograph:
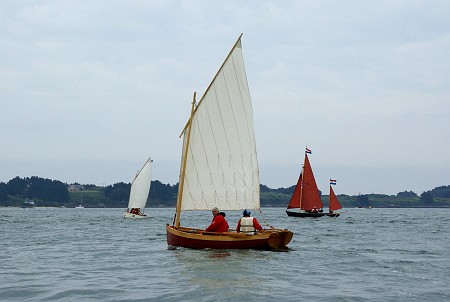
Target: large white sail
point(140, 187)
point(221, 164)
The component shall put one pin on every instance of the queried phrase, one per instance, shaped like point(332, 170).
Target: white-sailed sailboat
point(80, 206)
point(219, 166)
point(140, 189)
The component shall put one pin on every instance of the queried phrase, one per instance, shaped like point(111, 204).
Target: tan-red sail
point(306, 194)
point(310, 195)
point(334, 202)
point(295, 199)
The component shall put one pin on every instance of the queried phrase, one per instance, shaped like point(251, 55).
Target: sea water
point(62, 254)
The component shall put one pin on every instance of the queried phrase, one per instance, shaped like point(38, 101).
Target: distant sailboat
point(80, 206)
point(219, 167)
point(334, 203)
point(306, 201)
point(140, 189)
point(28, 204)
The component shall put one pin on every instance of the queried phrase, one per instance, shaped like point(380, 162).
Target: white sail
point(140, 188)
point(221, 164)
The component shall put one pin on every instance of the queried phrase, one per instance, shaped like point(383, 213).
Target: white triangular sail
point(221, 164)
point(140, 188)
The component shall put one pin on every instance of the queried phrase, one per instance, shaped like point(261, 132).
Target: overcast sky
point(90, 89)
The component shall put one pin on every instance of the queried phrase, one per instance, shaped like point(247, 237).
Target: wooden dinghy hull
point(274, 239)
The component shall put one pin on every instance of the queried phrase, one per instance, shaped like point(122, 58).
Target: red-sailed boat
point(306, 201)
point(334, 203)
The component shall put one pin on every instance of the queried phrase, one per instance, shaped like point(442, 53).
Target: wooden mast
point(183, 164)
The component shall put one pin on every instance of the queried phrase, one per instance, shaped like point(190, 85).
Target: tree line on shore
point(53, 193)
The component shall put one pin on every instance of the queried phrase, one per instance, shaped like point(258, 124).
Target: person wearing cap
point(218, 223)
point(247, 224)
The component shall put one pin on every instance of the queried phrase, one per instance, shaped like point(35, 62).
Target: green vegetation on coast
point(54, 193)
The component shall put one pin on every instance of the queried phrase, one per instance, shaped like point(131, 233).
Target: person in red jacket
point(247, 224)
point(219, 223)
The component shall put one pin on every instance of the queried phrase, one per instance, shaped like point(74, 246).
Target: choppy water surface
point(52, 254)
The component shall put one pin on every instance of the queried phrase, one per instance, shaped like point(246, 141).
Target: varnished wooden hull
point(308, 214)
point(274, 239)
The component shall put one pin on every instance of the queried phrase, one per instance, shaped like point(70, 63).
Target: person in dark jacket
point(218, 223)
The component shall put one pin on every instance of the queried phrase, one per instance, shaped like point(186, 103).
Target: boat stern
point(279, 239)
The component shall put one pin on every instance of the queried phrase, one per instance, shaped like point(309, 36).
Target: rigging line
point(265, 219)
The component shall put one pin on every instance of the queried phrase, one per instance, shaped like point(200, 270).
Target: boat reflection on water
point(216, 254)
